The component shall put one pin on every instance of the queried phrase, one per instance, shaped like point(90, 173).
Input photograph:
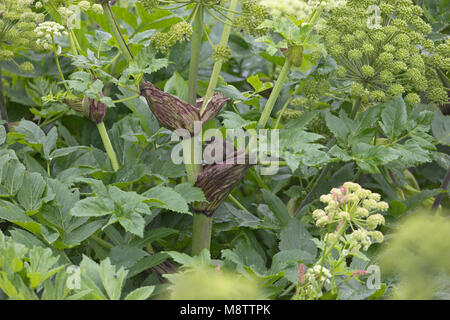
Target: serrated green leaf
point(189, 192)
point(172, 199)
point(394, 118)
point(441, 128)
point(92, 207)
point(142, 293)
point(294, 236)
point(112, 280)
point(277, 206)
point(30, 195)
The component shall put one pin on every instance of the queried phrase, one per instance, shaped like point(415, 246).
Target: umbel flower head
point(178, 32)
point(172, 113)
point(253, 15)
point(357, 206)
point(47, 32)
point(17, 24)
point(383, 56)
point(301, 9)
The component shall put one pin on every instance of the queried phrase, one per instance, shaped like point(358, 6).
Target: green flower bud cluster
point(387, 57)
point(17, 24)
point(316, 87)
point(178, 32)
point(150, 4)
point(253, 15)
point(441, 57)
point(26, 67)
point(221, 53)
point(356, 206)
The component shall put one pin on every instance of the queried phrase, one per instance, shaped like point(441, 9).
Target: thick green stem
point(218, 64)
point(116, 32)
point(195, 54)
point(108, 146)
point(192, 158)
point(201, 233)
point(201, 230)
point(274, 95)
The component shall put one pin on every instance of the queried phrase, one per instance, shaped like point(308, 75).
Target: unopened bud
point(172, 113)
point(217, 181)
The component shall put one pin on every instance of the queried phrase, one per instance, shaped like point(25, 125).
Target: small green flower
point(253, 15)
point(178, 32)
point(412, 99)
point(26, 67)
point(355, 54)
point(221, 53)
point(368, 71)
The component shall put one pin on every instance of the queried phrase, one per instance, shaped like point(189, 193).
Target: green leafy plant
point(98, 200)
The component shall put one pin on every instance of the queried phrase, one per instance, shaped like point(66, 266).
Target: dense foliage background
point(93, 207)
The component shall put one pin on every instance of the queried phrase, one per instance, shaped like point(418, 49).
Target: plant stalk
point(108, 146)
point(202, 225)
point(192, 158)
point(195, 54)
point(274, 95)
point(123, 47)
point(100, 126)
point(201, 233)
point(218, 64)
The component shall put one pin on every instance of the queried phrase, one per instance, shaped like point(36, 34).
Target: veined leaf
point(31, 194)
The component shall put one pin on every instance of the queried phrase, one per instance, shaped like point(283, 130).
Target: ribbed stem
point(123, 47)
point(201, 229)
point(108, 146)
point(218, 64)
point(192, 158)
point(274, 95)
point(201, 233)
point(195, 54)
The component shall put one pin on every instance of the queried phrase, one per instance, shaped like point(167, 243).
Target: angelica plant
point(351, 216)
point(388, 58)
point(48, 32)
point(17, 24)
point(17, 28)
point(297, 40)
